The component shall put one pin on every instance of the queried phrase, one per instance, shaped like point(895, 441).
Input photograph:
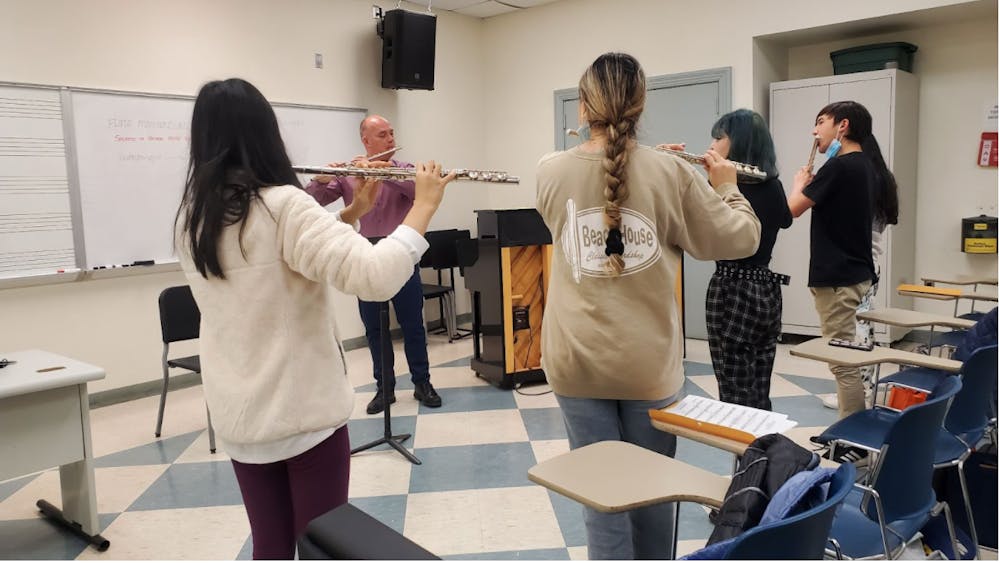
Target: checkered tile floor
point(470, 499)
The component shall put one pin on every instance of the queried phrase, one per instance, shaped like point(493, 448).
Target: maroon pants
point(281, 498)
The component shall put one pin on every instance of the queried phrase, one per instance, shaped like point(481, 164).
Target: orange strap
point(697, 425)
point(929, 289)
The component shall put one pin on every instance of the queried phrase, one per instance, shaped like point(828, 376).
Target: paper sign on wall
point(988, 149)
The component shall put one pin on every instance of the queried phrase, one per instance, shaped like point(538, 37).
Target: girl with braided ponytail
point(622, 214)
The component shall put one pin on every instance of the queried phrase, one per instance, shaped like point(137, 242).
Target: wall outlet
point(521, 318)
point(318, 60)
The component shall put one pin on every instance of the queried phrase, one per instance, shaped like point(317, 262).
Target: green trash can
point(873, 57)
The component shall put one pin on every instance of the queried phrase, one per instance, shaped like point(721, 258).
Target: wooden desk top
point(820, 349)
point(908, 318)
point(961, 279)
point(617, 476)
point(34, 372)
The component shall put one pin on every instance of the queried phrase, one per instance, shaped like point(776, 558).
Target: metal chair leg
point(163, 393)
point(968, 506)
point(211, 431)
point(951, 530)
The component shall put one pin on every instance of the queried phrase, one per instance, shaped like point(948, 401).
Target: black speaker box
point(408, 50)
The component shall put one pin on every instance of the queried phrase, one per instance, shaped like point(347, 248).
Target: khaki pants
point(837, 308)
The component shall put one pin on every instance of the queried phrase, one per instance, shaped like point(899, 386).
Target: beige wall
point(174, 47)
point(957, 66)
point(763, 41)
point(493, 106)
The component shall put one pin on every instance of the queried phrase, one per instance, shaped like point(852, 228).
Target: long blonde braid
point(613, 91)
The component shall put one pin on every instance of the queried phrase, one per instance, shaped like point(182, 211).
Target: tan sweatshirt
point(620, 337)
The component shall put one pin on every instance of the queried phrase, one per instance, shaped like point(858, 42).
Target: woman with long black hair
point(262, 258)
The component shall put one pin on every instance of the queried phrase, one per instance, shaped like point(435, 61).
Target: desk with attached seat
point(615, 476)
point(912, 319)
point(45, 422)
point(821, 350)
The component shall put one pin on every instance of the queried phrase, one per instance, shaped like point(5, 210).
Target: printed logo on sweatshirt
point(584, 235)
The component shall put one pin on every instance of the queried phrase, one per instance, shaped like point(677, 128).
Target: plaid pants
point(743, 317)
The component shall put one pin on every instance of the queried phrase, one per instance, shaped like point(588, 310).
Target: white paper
point(756, 422)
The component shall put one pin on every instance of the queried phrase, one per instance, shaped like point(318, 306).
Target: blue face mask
point(833, 149)
point(583, 132)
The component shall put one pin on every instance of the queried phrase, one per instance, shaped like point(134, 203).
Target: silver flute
point(745, 173)
point(396, 173)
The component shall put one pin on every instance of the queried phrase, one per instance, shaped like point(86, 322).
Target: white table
point(44, 423)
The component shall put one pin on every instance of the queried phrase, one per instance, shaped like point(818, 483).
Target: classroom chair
point(443, 255)
point(969, 418)
point(800, 536)
point(880, 516)
point(180, 320)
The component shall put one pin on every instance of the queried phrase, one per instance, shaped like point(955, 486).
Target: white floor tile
point(535, 397)
point(484, 520)
point(467, 428)
point(685, 547)
point(578, 553)
point(212, 533)
point(548, 449)
point(379, 473)
point(130, 424)
point(405, 405)
point(116, 489)
point(445, 378)
point(198, 452)
point(781, 387)
point(707, 383)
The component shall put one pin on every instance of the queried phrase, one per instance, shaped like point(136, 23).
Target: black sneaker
point(851, 454)
point(425, 393)
point(377, 404)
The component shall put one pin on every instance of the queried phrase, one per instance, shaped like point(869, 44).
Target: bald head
point(377, 135)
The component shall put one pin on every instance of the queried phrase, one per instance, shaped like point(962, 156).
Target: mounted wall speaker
point(408, 50)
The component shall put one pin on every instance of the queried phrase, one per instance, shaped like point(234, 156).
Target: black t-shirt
point(769, 203)
point(840, 241)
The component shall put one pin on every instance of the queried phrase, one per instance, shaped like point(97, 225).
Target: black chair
point(179, 321)
point(348, 533)
point(443, 255)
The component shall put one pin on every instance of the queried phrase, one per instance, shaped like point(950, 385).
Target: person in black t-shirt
point(843, 195)
point(743, 302)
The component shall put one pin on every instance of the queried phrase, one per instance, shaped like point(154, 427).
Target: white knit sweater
point(272, 364)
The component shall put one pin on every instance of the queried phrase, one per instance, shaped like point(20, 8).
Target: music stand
point(387, 437)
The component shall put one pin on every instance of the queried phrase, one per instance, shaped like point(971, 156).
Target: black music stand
point(387, 437)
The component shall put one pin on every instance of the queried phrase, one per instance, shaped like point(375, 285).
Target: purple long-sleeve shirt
point(394, 200)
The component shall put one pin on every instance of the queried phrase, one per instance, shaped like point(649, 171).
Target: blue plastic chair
point(802, 536)
point(967, 421)
point(897, 501)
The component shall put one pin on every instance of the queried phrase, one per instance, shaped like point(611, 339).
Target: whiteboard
point(131, 153)
point(36, 230)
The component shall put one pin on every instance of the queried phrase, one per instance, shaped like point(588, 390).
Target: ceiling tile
point(486, 9)
point(451, 5)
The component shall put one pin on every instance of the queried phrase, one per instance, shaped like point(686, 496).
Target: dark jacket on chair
point(765, 466)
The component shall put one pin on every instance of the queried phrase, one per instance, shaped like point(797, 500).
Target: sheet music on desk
point(747, 419)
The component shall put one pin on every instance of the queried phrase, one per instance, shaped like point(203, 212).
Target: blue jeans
point(643, 533)
point(409, 305)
